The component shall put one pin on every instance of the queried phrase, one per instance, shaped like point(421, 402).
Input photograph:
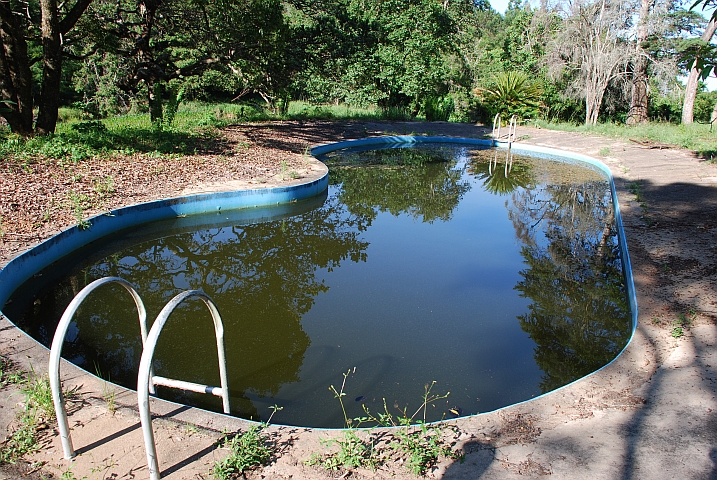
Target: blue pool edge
point(27, 264)
point(519, 148)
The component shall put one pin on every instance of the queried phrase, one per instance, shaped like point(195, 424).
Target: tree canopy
point(460, 60)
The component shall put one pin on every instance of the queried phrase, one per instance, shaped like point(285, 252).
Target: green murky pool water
point(499, 281)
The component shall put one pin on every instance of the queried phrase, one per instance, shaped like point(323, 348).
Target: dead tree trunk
point(688, 107)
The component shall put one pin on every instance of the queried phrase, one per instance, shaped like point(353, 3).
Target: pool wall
point(23, 267)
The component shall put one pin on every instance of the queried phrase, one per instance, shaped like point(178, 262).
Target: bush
point(438, 108)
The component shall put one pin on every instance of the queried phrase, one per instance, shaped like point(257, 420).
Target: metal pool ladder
point(56, 351)
point(146, 379)
point(512, 127)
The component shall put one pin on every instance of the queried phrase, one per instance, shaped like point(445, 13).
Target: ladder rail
point(512, 127)
point(56, 352)
point(496, 127)
point(145, 379)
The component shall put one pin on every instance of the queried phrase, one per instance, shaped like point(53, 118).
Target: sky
point(499, 6)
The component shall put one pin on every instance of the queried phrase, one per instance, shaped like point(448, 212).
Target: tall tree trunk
point(155, 100)
point(688, 107)
point(15, 74)
point(16, 82)
point(640, 96)
point(51, 69)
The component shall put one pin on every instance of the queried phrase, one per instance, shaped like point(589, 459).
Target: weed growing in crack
point(353, 452)
point(247, 451)
point(417, 443)
point(683, 322)
point(286, 173)
point(109, 394)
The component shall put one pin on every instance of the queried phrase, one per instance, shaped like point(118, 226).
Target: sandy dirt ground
point(650, 415)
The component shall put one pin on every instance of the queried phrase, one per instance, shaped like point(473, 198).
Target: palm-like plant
point(512, 93)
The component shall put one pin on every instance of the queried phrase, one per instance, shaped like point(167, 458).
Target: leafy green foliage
point(420, 445)
point(247, 451)
point(512, 93)
point(37, 411)
point(352, 452)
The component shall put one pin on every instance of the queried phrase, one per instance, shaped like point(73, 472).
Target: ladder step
point(189, 386)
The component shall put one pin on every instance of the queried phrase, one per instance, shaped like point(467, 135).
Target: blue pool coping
point(26, 265)
point(534, 151)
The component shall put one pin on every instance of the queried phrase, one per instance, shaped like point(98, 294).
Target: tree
point(512, 93)
point(26, 28)
point(688, 106)
point(591, 49)
point(640, 96)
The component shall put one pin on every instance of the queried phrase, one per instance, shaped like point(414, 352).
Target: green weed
point(68, 475)
point(79, 202)
point(38, 411)
point(246, 451)
point(604, 152)
point(104, 188)
point(7, 376)
point(683, 322)
point(352, 452)
point(109, 394)
point(419, 444)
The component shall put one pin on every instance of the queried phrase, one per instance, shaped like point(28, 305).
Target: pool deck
point(651, 414)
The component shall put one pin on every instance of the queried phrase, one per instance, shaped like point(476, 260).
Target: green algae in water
point(499, 280)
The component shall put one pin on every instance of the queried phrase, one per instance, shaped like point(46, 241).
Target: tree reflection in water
point(425, 183)
point(500, 174)
point(579, 316)
point(261, 276)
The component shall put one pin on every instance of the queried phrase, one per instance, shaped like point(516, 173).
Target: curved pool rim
point(27, 264)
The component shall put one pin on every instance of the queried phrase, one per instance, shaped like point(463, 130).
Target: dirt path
point(651, 414)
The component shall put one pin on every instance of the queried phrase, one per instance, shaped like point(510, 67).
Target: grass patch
point(683, 322)
point(247, 451)
point(38, 411)
point(697, 137)
point(192, 131)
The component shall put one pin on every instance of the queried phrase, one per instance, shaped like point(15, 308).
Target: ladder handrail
point(56, 352)
point(496, 127)
point(145, 378)
point(512, 127)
